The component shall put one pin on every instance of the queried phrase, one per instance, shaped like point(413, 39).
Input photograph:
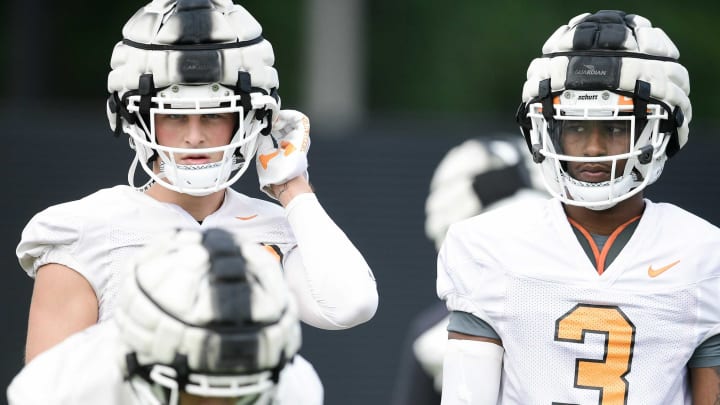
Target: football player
point(598, 296)
point(201, 318)
point(193, 88)
point(480, 174)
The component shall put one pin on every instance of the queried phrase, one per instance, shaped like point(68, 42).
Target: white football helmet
point(207, 315)
point(192, 57)
point(481, 173)
point(607, 66)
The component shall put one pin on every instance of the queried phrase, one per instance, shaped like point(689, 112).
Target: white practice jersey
point(85, 369)
point(572, 336)
point(96, 235)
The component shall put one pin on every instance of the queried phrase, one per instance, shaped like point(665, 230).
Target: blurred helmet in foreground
point(477, 175)
point(203, 314)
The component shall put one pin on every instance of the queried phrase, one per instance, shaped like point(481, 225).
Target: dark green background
point(422, 56)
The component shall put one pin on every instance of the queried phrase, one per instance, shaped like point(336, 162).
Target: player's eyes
point(619, 128)
point(574, 128)
point(218, 118)
point(604, 128)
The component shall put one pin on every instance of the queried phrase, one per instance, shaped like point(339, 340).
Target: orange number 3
point(606, 375)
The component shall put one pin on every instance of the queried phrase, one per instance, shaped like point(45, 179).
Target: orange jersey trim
point(600, 257)
point(274, 250)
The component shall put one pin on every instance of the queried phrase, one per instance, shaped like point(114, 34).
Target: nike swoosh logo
point(656, 272)
point(247, 218)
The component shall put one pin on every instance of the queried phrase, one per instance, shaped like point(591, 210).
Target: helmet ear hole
point(117, 113)
point(537, 156)
point(646, 153)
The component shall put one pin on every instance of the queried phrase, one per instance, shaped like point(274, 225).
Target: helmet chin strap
point(131, 176)
point(600, 196)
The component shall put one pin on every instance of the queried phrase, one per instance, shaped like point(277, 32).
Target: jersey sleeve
point(450, 286)
point(461, 269)
point(51, 236)
point(72, 235)
point(332, 282)
point(707, 354)
point(469, 324)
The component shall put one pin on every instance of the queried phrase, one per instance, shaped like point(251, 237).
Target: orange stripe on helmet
point(622, 100)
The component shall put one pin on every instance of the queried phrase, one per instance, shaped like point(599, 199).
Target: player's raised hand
point(282, 155)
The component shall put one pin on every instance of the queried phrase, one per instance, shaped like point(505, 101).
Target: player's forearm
point(334, 283)
point(705, 385)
